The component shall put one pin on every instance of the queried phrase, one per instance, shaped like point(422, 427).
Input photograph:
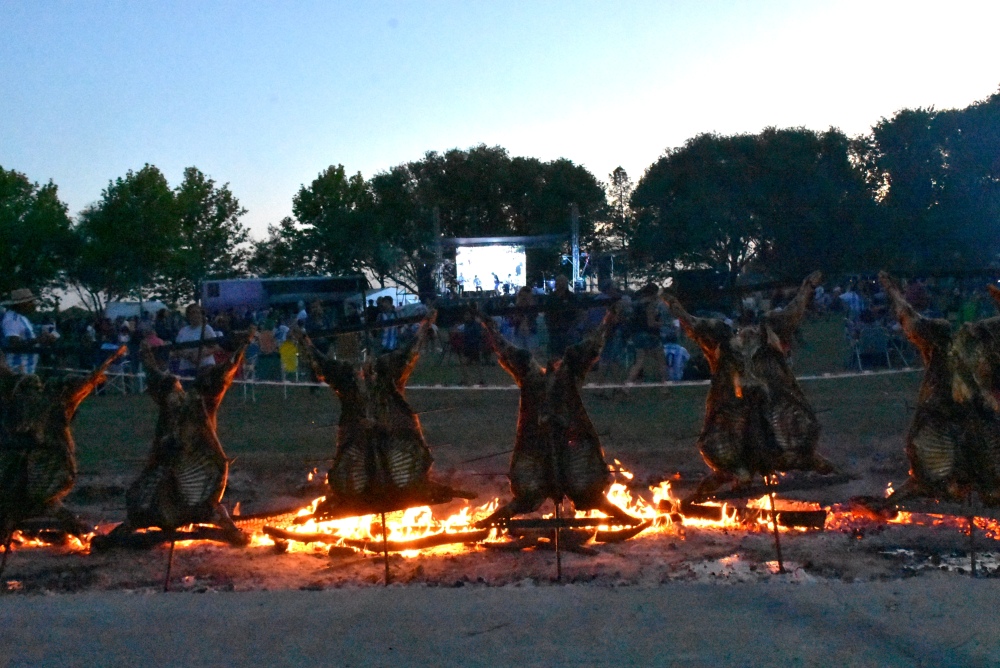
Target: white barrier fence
point(140, 380)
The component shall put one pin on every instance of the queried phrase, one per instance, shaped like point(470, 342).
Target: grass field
point(275, 441)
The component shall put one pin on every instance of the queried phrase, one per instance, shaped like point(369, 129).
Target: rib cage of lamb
point(953, 442)
point(757, 419)
point(382, 462)
point(185, 477)
point(37, 451)
point(557, 451)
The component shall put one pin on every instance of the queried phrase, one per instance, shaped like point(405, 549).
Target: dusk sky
point(265, 95)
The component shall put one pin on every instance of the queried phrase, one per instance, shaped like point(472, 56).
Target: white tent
point(131, 309)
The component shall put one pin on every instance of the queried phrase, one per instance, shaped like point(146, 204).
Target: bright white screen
point(506, 261)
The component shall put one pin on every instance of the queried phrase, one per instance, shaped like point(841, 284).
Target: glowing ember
point(401, 527)
point(69, 542)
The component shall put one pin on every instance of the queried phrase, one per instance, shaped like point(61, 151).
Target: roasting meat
point(382, 462)
point(953, 443)
point(557, 452)
point(37, 452)
point(757, 420)
point(974, 358)
point(186, 474)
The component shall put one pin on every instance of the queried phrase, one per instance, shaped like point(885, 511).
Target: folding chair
point(289, 363)
point(117, 375)
point(872, 346)
point(249, 371)
point(902, 349)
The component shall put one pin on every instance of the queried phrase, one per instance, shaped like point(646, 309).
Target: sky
point(265, 95)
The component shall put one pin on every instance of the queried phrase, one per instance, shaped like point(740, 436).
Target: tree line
point(920, 193)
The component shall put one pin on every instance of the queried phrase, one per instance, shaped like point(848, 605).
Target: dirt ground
point(896, 582)
point(937, 620)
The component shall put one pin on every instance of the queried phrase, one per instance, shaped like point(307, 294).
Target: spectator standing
point(472, 347)
point(196, 330)
point(17, 329)
point(647, 320)
point(852, 302)
point(525, 320)
point(560, 317)
point(390, 335)
point(611, 366)
point(281, 332)
point(676, 356)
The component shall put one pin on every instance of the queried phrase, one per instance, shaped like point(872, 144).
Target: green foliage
point(818, 212)
point(276, 255)
point(127, 238)
point(337, 235)
point(35, 235)
point(143, 239)
point(344, 224)
point(939, 179)
point(211, 241)
point(784, 201)
point(698, 206)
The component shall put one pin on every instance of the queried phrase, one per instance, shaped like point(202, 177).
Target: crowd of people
point(646, 344)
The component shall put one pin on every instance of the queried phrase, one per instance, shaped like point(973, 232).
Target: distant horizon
point(265, 98)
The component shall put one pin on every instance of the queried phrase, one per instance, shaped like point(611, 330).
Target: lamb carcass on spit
point(953, 442)
point(37, 451)
point(757, 420)
point(557, 451)
point(185, 477)
point(382, 462)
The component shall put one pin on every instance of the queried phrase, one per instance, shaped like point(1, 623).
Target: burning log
point(757, 419)
point(382, 462)
point(557, 451)
point(185, 478)
point(791, 514)
point(953, 443)
point(374, 545)
point(37, 451)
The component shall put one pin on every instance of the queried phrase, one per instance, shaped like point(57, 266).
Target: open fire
point(422, 533)
point(418, 529)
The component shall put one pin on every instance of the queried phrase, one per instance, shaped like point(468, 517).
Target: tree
point(938, 175)
point(385, 226)
point(785, 201)
point(817, 211)
point(276, 255)
point(478, 192)
point(614, 236)
point(903, 158)
point(211, 240)
point(698, 207)
point(337, 233)
point(35, 234)
point(126, 239)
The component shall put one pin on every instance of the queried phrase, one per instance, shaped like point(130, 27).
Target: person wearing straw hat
point(17, 329)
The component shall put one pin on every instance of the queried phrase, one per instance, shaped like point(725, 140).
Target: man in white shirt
point(196, 330)
point(17, 329)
